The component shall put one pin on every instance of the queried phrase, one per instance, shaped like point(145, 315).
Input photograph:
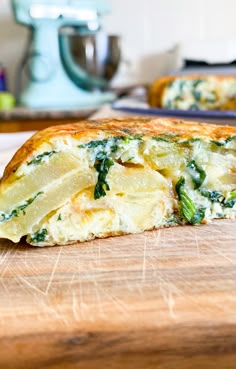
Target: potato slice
point(43, 175)
point(131, 180)
point(56, 195)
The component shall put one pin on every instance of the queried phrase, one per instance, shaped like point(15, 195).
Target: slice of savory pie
point(194, 92)
point(116, 176)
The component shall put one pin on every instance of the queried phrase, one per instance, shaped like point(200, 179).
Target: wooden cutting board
point(163, 299)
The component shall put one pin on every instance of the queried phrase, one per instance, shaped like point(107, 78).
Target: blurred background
point(203, 29)
point(52, 59)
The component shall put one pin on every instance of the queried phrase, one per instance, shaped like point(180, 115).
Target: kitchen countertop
point(25, 119)
point(21, 119)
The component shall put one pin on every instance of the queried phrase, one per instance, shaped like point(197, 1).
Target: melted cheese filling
point(51, 198)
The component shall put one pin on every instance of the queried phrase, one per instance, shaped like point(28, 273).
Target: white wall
point(205, 28)
point(149, 25)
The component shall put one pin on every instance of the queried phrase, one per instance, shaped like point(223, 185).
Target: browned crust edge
point(88, 130)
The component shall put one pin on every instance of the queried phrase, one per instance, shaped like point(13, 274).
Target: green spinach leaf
point(102, 166)
point(197, 174)
point(187, 206)
point(39, 158)
point(103, 159)
point(231, 201)
point(39, 236)
point(4, 217)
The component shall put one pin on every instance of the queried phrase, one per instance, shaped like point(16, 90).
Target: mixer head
point(77, 12)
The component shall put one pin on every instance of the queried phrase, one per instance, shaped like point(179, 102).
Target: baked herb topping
point(41, 157)
point(4, 217)
point(223, 142)
point(166, 137)
point(187, 207)
point(112, 142)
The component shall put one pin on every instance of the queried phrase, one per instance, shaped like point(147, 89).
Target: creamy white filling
point(142, 189)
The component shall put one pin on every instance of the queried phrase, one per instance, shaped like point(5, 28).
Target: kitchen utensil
point(97, 54)
point(49, 85)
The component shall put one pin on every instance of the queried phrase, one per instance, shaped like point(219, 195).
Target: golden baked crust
point(221, 85)
point(116, 176)
point(118, 127)
point(156, 90)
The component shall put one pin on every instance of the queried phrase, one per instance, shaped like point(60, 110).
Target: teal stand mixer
point(49, 84)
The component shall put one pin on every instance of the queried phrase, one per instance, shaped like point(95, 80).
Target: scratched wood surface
point(162, 299)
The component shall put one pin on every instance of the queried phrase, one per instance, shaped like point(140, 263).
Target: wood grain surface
point(163, 299)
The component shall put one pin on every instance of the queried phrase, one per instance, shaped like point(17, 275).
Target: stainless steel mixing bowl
point(97, 54)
